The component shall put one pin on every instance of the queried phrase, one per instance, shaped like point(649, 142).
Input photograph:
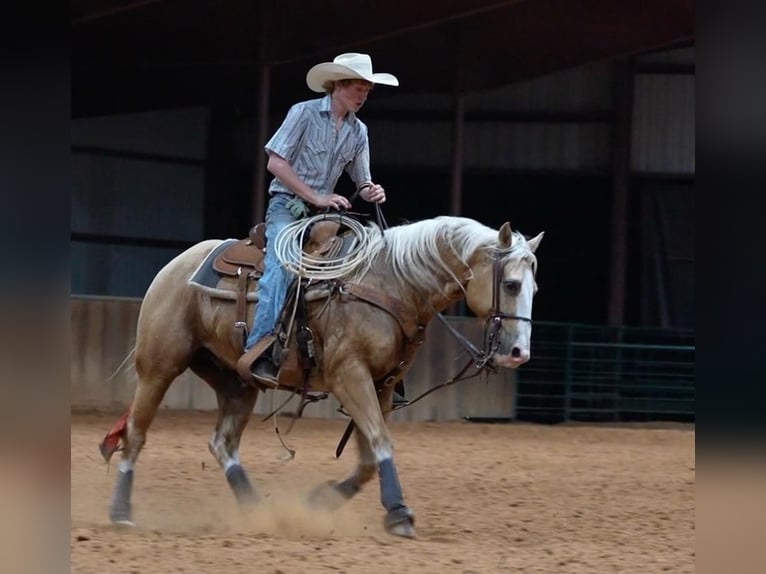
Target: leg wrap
point(390, 490)
point(120, 511)
point(240, 484)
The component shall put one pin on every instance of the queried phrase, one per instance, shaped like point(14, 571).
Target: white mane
point(413, 249)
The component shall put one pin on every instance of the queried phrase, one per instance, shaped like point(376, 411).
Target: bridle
point(495, 318)
point(482, 359)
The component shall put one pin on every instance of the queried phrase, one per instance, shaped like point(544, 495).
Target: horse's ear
point(505, 237)
point(534, 243)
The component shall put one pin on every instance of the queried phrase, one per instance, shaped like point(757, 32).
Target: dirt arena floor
point(487, 498)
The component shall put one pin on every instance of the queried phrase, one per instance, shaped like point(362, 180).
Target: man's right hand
point(332, 201)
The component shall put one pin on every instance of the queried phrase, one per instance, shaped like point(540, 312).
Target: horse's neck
point(435, 301)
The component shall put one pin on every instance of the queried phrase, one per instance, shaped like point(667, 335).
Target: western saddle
point(243, 260)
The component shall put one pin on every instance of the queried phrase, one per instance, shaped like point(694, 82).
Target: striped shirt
point(317, 152)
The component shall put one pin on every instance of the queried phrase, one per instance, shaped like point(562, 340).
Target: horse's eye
point(512, 286)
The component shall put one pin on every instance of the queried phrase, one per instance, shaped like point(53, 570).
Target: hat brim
point(321, 73)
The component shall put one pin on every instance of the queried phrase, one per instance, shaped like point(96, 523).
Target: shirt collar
point(325, 107)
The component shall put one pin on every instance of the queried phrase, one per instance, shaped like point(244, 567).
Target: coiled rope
point(288, 247)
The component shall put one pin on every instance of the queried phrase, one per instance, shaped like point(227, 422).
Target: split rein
point(481, 359)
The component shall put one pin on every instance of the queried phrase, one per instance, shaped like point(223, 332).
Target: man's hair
point(329, 85)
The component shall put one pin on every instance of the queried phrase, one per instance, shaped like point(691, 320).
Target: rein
point(481, 359)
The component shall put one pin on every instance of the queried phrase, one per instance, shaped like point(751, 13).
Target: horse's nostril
point(516, 353)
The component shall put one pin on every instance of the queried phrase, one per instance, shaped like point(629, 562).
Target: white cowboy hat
point(347, 66)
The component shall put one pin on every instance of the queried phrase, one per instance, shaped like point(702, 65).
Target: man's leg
point(272, 286)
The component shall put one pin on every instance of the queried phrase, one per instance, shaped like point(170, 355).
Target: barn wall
point(137, 196)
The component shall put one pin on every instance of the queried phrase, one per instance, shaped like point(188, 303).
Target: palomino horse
point(366, 328)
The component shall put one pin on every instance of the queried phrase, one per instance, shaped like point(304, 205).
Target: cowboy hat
point(347, 66)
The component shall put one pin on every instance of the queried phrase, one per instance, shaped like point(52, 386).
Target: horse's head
point(501, 292)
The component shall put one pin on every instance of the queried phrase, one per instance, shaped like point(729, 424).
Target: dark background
point(132, 58)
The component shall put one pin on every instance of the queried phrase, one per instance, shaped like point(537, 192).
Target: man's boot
point(399, 394)
point(264, 371)
point(250, 361)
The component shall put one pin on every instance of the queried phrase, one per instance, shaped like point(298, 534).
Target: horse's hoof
point(120, 514)
point(400, 522)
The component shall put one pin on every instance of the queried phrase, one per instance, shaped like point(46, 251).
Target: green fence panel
point(602, 373)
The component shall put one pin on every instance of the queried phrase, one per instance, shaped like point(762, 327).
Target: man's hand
point(373, 193)
point(332, 201)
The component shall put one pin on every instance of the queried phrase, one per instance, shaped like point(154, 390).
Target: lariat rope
point(289, 250)
point(288, 247)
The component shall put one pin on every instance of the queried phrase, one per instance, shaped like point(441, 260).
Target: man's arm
point(283, 171)
point(359, 170)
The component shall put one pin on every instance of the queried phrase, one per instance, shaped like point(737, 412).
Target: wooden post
point(458, 128)
point(458, 125)
point(456, 171)
point(621, 136)
point(259, 157)
point(261, 115)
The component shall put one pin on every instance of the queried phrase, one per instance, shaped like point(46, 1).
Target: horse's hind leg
point(234, 409)
point(163, 351)
point(149, 393)
point(360, 400)
point(235, 405)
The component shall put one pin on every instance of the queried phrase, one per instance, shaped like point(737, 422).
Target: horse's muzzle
point(516, 358)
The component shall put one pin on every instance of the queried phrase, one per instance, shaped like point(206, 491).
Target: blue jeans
point(272, 287)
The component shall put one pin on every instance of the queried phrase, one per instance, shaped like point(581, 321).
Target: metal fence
point(599, 373)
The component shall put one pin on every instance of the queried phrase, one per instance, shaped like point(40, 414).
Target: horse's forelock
point(520, 250)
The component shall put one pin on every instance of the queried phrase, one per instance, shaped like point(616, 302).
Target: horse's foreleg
point(367, 466)
point(235, 404)
point(364, 471)
point(332, 495)
point(359, 398)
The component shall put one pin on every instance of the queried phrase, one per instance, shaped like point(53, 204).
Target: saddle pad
point(205, 275)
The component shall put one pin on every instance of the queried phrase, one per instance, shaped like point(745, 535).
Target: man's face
point(353, 94)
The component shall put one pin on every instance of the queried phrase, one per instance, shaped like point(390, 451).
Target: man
point(318, 140)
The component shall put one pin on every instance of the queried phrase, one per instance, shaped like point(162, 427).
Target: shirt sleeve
point(286, 140)
point(359, 168)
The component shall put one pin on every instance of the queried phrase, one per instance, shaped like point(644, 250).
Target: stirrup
point(245, 362)
point(399, 399)
point(264, 371)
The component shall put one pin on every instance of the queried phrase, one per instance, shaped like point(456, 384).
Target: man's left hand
point(374, 193)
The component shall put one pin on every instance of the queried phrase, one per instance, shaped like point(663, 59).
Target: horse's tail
point(124, 361)
point(111, 442)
